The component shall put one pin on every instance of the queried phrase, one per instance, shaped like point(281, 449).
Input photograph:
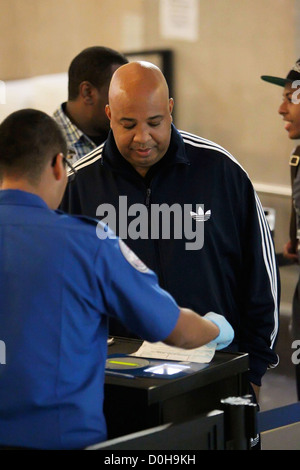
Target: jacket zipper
point(148, 196)
point(156, 242)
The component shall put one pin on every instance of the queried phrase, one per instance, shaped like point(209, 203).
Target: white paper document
point(159, 350)
point(179, 19)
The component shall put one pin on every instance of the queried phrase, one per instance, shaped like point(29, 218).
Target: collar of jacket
point(175, 154)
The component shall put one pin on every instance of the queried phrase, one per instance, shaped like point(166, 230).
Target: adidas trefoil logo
point(200, 216)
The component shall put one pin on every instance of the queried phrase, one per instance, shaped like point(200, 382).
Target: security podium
point(135, 403)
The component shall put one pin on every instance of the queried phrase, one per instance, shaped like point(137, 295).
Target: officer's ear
point(58, 165)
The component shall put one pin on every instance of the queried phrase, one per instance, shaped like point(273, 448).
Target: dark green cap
point(293, 75)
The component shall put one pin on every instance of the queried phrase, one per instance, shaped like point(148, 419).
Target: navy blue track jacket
point(229, 267)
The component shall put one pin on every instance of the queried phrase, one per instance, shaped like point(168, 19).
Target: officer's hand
point(226, 334)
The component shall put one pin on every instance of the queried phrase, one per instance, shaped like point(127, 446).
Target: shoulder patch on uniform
point(132, 258)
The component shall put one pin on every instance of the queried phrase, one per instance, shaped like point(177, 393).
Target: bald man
point(129, 88)
point(187, 208)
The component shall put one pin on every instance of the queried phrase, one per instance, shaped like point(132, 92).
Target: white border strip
point(276, 190)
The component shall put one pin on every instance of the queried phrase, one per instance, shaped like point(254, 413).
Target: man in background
point(82, 118)
point(290, 112)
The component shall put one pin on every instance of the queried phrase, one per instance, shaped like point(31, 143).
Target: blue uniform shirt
point(58, 284)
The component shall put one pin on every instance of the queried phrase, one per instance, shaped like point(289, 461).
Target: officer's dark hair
point(29, 139)
point(93, 64)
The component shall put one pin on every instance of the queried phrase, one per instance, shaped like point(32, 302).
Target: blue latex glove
point(226, 334)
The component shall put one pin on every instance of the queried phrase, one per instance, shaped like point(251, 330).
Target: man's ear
point(58, 166)
point(86, 91)
point(171, 105)
point(107, 111)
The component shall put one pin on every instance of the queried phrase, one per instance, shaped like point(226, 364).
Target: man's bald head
point(138, 79)
point(140, 113)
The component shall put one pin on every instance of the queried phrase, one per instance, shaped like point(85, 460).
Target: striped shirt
point(79, 144)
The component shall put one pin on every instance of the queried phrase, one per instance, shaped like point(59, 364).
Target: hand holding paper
point(226, 334)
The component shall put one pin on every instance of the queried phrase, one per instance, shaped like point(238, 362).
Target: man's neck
point(77, 117)
point(16, 183)
point(24, 185)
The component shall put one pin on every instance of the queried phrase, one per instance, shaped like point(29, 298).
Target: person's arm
point(192, 330)
point(289, 253)
point(133, 297)
point(256, 389)
point(259, 291)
